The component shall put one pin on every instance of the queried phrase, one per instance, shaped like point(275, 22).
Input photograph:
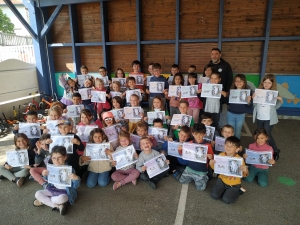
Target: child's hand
point(209, 156)
point(168, 117)
point(39, 147)
point(240, 148)
point(175, 127)
point(48, 141)
point(142, 115)
point(75, 141)
point(124, 128)
point(90, 96)
point(163, 152)
point(147, 91)
point(45, 173)
point(65, 111)
point(142, 91)
point(108, 96)
point(170, 139)
point(46, 131)
point(212, 143)
point(167, 161)
point(253, 96)
point(123, 116)
point(73, 176)
point(249, 99)
point(245, 156)
point(8, 167)
point(180, 149)
point(85, 159)
point(271, 161)
point(244, 168)
point(224, 93)
point(212, 162)
point(199, 91)
point(124, 94)
point(108, 152)
point(27, 167)
point(144, 168)
point(135, 155)
point(166, 138)
point(280, 99)
point(146, 119)
point(150, 136)
point(16, 127)
point(114, 163)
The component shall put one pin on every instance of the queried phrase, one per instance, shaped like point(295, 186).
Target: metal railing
point(24, 53)
point(14, 40)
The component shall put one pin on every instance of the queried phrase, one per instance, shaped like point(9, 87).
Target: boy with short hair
point(136, 67)
point(76, 100)
point(195, 170)
point(157, 78)
point(147, 154)
point(227, 187)
point(103, 76)
point(192, 69)
point(174, 70)
point(132, 86)
point(159, 124)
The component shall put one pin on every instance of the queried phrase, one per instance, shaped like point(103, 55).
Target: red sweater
point(261, 148)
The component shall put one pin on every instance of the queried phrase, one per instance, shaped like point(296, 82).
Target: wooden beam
point(51, 20)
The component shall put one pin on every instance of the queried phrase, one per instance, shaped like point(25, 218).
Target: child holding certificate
point(228, 187)
point(99, 169)
point(134, 102)
point(57, 196)
point(197, 171)
point(131, 83)
point(117, 103)
point(17, 174)
point(266, 115)
point(142, 130)
point(88, 104)
point(261, 171)
point(99, 86)
point(126, 174)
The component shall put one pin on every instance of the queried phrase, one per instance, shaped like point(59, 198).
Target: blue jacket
point(161, 78)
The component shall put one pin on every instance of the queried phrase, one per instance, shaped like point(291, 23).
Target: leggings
point(125, 176)
point(45, 197)
point(194, 112)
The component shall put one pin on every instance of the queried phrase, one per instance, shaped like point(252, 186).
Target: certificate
point(220, 144)
point(229, 166)
point(156, 165)
point(121, 80)
point(51, 126)
point(97, 151)
point(189, 91)
point(32, 130)
point(194, 152)
point(185, 80)
point(174, 90)
point(105, 80)
point(113, 131)
point(83, 132)
point(115, 93)
point(210, 132)
point(158, 133)
point(132, 112)
point(74, 110)
point(131, 92)
point(156, 115)
point(135, 140)
point(16, 158)
point(124, 157)
point(175, 148)
point(82, 78)
point(118, 114)
point(170, 79)
point(181, 120)
point(139, 79)
point(211, 90)
point(62, 140)
point(258, 157)
point(156, 87)
point(263, 96)
point(148, 80)
point(59, 175)
point(202, 80)
point(98, 96)
point(85, 93)
point(239, 96)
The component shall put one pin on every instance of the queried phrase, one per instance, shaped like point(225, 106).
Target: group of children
point(204, 112)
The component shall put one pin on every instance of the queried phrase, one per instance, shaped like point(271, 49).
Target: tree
point(6, 26)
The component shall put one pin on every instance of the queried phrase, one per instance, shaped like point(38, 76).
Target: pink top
point(99, 123)
point(261, 148)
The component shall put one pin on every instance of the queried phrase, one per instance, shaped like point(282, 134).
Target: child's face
point(136, 68)
point(177, 80)
point(267, 84)
point(191, 70)
point(230, 149)
point(238, 83)
point(131, 83)
point(87, 83)
point(71, 83)
point(207, 122)
point(141, 131)
point(146, 145)
point(53, 115)
point(31, 118)
point(115, 87)
point(208, 72)
point(76, 100)
point(183, 108)
point(174, 71)
point(261, 139)
point(134, 101)
point(124, 142)
point(214, 79)
point(108, 121)
point(116, 105)
point(85, 119)
point(156, 103)
point(99, 85)
point(64, 129)
point(120, 74)
point(21, 143)
point(150, 69)
point(97, 138)
point(182, 136)
point(227, 132)
point(198, 137)
point(158, 125)
point(192, 80)
point(156, 72)
point(84, 71)
point(58, 159)
point(44, 145)
point(102, 72)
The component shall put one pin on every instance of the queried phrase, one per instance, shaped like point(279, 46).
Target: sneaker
point(19, 181)
point(152, 185)
point(134, 182)
point(276, 155)
point(31, 178)
point(37, 203)
point(116, 185)
point(63, 209)
point(45, 185)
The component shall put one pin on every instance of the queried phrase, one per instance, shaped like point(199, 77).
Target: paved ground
point(171, 203)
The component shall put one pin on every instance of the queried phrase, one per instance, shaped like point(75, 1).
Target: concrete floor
point(276, 204)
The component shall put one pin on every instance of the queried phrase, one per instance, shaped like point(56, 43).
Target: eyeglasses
point(108, 119)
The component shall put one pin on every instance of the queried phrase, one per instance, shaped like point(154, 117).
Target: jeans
point(266, 125)
point(101, 178)
point(222, 118)
point(236, 121)
point(262, 176)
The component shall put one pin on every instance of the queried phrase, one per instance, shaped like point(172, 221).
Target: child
point(70, 86)
point(17, 174)
point(134, 102)
point(128, 173)
point(174, 100)
point(183, 108)
point(103, 76)
point(192, 69)
point(136, 66)
point(56, 196)
point(195, 170)
point(261, 171)
point(84, 70)
point(208, 71)
point(88, 104)
point(54, 113)
point(228, 187)
point(117, 103)
point(98, 170)
point(266, 115)
point(195, 104)
point(99, 86)
point(157, 78)
point(174, 70)
point(147, 154)
point(142, 130)
point(236, 112)
point(132, 86)
point(76, 99)
point(119, 73)
point(42, 156)
point(86, 119)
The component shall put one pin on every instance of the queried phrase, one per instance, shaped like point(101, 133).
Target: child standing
point(128, 173)
point(174, 100)
point(56, 196)
point(134, 102)
point(99, 86)
point(208, 71)
point(76, 99)
point(261, 171)
point(132, 86)
point(192, 69)
point(236, 112)
point(17, 174)
point(70, 86)
point(88, 104)
point(136, 66)
point(117, 103)
point(266, 115)
point(228, 187)
point(103, 76)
